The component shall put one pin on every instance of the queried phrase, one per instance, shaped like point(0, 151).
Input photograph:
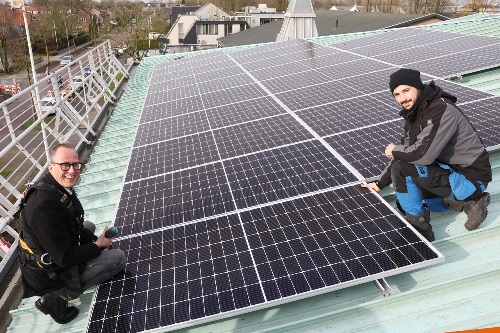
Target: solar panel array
point(243, 186)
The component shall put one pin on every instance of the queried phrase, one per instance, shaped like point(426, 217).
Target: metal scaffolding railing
point(69, 106)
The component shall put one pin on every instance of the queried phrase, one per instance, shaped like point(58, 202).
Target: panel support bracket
point(383, 287)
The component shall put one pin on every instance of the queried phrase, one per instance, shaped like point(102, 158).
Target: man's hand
point(388, 150)
point(102, 241)
point(371, 186)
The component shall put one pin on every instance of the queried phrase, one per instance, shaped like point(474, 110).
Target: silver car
point(67, 59)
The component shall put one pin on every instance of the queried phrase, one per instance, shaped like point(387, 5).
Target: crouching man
point(59, 254)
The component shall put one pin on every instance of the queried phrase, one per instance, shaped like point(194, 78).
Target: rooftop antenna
point(299, 21)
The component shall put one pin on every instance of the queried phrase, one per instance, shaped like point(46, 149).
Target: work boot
point(453, 204)
point(422, 223)
point(57, 308)
point(476, 211)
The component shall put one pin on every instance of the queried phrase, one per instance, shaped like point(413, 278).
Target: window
point(207, 29)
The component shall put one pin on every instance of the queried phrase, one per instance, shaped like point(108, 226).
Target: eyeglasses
point(67, 166)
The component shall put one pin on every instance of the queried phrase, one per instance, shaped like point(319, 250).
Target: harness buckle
point(42, 259)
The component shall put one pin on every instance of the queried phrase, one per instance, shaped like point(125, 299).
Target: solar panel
point(348, 114)
point(364, 148)
point(262, 257)
point(242, 190)
point(168, 156)
point(284, 173)
point(259, 135)
point(485, 119)
point(169, 199)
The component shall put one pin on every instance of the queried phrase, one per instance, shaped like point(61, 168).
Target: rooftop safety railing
point(65, 106)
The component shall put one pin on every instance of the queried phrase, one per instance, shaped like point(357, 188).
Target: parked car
point(46, 105)
point(87, 71)
point(76, 82)
point(67, 59)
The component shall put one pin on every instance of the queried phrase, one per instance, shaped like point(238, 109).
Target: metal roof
point(460, 293)
point(329, 22)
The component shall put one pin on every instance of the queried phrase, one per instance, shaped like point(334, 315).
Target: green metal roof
point(460, 293)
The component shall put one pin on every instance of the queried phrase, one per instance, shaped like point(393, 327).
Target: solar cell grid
point(395, 36)
point(167, 156)
point(213, 143)
point(330, 59)
point(300, 53)
point(491, 52)
point(353, 68)
point(401, 57)
point(465, 42)
point(196, 271)
point(464, 94)
point(328, 239)
point(295, 81)
point(452, 64)
point(259, 135)
point(484, 116)
point(371, 82)
point(157, 96)
point(319, 94)
point(242, 112)
point(266, 51)
point(170, 128)
point(347, 115)
point(161, 83)
point(232, 95)
point(283, 173)
point(171, 109)
point(273, 70)
point(203, 76)
point(222, 83)
point(364, 148)
point(170, 199)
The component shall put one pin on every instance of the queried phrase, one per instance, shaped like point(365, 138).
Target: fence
point(47, 113)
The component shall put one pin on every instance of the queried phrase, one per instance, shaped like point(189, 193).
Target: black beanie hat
point(406, 76)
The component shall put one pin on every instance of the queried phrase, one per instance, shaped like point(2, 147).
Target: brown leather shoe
point(476, 211)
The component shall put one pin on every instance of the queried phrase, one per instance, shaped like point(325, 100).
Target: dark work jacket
point(437, 131)
point(59, 230)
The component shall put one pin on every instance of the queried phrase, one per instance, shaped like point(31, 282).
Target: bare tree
point(8, 33)
point(133, 26)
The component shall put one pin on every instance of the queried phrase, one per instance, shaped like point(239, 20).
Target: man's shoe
point(422, 223)
point(453, 204)
point(476, 211)
point(57, 308)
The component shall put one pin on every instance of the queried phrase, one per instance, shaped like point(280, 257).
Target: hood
point(430, 92)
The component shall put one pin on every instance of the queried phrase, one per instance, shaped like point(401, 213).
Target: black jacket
point(49, 226)
point(437, 131)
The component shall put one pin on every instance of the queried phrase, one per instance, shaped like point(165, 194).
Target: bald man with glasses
point(59, 254)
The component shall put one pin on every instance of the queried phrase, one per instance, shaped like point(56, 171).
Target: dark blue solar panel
point(284, 172)
point(167, 156)
point(349, 114)
point(165, 200)
point(259, 135)
point(364, 148)
point(235, 199)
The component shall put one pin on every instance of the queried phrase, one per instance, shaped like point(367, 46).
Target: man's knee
point(89, 225)
point(400, 171)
